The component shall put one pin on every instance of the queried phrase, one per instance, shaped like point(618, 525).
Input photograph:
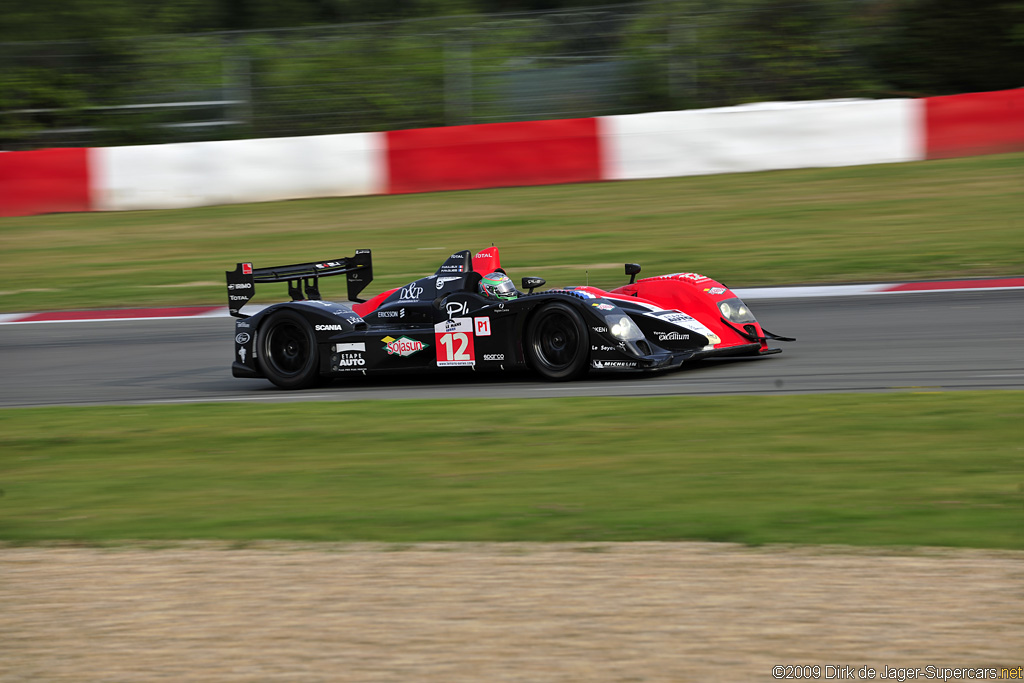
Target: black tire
point(557, 344)
point(288, 354)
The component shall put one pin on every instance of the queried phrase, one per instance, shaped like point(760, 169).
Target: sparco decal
point(413, 292)
point(330, 328)
point(403, 346)
point(494, 356)
point(242, 338)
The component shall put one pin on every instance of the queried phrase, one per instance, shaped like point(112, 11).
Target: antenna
point(588, 277)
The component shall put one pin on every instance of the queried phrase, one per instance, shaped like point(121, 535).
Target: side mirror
point(632, 270)
point(532, 283)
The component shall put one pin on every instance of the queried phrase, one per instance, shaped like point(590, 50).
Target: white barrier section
point(774, 135)
point(237, 171)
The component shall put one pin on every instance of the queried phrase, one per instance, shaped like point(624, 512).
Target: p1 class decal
point(483, 327)
point(454, 341)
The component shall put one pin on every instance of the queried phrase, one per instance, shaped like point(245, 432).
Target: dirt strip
point(500, 612)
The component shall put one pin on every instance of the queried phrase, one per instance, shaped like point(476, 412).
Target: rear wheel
point(557, 344)
point(288, 354)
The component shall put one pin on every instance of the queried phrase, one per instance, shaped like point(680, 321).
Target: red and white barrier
point(761, 137)
point(660, 144)
point(237, 171)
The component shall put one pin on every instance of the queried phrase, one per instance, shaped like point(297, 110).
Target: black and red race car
point(442, 323)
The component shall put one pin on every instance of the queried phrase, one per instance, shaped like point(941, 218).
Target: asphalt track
point(894, 342)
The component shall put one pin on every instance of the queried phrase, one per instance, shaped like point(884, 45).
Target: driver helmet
point(497, 285)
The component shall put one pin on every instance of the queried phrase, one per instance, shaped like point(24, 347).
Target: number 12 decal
point(455, 343)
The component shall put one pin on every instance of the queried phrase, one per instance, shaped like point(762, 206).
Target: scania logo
point(242, 338)
point(330, 328)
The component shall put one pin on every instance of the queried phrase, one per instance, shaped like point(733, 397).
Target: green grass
point(890, 469)
point(962, 217)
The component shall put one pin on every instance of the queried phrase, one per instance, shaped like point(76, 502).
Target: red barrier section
point(120, 314)
point(493, 155)
point(44, 181)
point(979, 123)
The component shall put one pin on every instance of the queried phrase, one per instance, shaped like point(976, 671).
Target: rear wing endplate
point(302, 278)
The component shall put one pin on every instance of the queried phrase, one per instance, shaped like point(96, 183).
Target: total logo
point(403, 346)
point(330, 328)
point(236, 297)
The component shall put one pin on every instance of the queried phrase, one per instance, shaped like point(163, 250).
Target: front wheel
point(557, 344)
point(287, 351)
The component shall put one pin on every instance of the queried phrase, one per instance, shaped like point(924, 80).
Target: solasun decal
point(403, 346)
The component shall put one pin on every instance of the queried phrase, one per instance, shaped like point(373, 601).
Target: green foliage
point(944, 47)
point(341, 69)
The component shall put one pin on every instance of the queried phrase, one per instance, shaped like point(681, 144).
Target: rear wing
point(302, 278)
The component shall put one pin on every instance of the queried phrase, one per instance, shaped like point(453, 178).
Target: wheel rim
point(557, 341)
point(287, 348)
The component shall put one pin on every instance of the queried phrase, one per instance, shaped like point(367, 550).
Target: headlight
point(623, 328)
point(736, 311)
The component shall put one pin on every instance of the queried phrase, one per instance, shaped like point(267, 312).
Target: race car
point(468, 316)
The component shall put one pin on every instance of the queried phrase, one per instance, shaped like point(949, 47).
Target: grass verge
point(891, 469)
point(960, 217)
